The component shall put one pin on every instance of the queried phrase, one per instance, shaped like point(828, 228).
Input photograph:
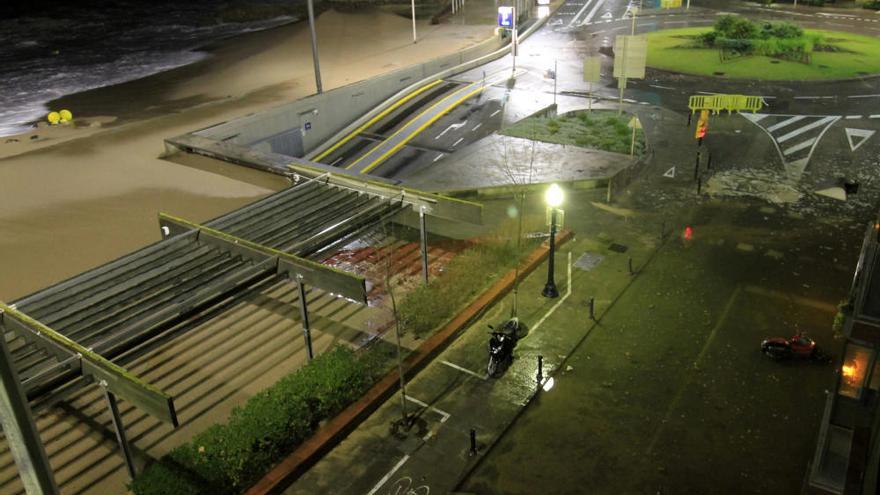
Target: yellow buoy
point(54, 117)
point(66, 116)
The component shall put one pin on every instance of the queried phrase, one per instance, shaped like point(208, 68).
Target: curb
point(336, 429)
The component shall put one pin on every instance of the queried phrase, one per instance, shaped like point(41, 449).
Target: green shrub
point(736, 27)
point(874, 5)
point(228, 458)
point(784, 30)
point(429, 306)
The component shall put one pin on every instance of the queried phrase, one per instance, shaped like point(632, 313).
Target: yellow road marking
point(428, 110)
point(419, 130)
point(375, 119)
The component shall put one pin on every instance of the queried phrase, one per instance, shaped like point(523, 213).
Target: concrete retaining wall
point(296, 128)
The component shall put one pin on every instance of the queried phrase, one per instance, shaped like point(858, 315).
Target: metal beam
point(435, 204)
point(317, 275)
point(143, 395)
point(21, 432)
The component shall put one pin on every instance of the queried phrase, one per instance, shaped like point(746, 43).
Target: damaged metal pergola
point(67, 336)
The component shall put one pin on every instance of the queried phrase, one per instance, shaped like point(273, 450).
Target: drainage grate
point(617, 248)
point(588, 261)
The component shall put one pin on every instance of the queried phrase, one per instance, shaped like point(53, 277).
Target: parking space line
point(681, 391)
point(463, 370)
point(388, 475)
point(444, 416)
point(562, 300)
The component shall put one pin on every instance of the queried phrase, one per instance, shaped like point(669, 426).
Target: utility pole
point(415, 39)
point(311, 9)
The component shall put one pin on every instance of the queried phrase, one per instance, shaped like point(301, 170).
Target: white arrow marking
point(862, 135)
point(670, 173)
point(451, 127)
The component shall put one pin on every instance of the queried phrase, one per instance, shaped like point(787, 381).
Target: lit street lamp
point(553, 197)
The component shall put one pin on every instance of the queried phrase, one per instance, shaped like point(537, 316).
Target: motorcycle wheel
point(492, 368)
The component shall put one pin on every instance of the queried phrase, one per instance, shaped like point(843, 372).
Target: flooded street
point(60, 219)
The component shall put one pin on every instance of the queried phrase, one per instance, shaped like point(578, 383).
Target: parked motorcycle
point(798, 346)
point(501, 344)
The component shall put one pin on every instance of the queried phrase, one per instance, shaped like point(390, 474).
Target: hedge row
point(227, 459)
point(428, 306)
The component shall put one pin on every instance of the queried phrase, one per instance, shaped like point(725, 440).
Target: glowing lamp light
point(688, 233)
point(554, 196)
point(849, 371)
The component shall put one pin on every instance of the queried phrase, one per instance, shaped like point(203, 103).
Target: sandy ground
point(78, 196)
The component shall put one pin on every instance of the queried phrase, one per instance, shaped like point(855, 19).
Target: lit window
point(854, 370)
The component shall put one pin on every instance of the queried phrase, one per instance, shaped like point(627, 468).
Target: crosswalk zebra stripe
point(798, 147)
point(808, 127)
point(786, 122)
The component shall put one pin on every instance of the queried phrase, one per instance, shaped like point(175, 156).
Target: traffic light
point(702, 125)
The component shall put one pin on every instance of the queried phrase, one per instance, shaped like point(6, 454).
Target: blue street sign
point(308, 126)
point(505, 17)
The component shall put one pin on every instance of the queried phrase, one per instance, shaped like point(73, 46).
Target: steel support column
point(124, 446)
point(21, 431)
point(311, 12)
point(304, 313)
point(423, 240)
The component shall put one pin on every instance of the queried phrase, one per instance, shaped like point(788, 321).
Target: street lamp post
point(553, 197)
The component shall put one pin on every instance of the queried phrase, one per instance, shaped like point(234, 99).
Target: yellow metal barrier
point(730, 103)
point(670, 4)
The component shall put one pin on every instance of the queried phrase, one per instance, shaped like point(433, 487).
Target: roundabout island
point(737, 48)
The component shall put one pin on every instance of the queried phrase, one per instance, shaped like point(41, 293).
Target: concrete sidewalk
point(452, 395)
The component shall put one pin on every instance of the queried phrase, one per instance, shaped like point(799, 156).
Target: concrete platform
point(499, 161)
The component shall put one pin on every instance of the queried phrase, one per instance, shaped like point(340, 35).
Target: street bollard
point(473, 450)
point(540, 370)
point(699, 185)
point(709, 163)
point(592, 308)
point(629, 264)
point(689, 118)
point(697, 166)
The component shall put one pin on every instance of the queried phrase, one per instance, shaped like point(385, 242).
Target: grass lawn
point(663, 53)
point(599, 129)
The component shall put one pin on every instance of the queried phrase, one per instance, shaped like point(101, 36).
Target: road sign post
point(592, 73)
point(507, 19)
point(630, 55)
point(634, 123)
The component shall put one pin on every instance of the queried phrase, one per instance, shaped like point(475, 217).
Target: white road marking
point(451, 127)
point(444, 416)
point(862, 134)
point(496, 112)
point(388, 475)
point(477, 126)
point(875, 116)
point(798, 147)
point(785, 123)
point(456, 143)
point(441, 155)
point(593, 12)
point(562, 300)
point(864, 96)
point(853, 117)
point(806, 128)
point(463, 370)
point(579, 13)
